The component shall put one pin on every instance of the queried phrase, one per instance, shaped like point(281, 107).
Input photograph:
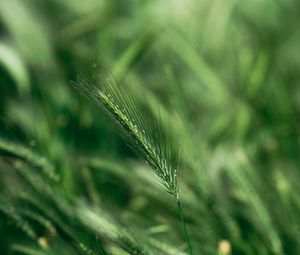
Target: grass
point(194, 149)
point(143, 132)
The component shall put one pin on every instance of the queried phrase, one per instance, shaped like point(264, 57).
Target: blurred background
point(228, 71)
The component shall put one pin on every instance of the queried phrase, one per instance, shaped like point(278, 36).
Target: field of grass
point(149, 127)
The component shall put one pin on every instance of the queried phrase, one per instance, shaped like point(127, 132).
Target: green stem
point(184, 226)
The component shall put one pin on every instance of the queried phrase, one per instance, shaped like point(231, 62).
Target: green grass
point(191, 144)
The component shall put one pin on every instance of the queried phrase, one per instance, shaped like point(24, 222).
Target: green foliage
point(217, 80)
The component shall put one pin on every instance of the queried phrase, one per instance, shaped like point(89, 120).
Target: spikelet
point(145, 133)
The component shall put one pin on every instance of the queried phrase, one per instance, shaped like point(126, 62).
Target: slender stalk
point(184, 226)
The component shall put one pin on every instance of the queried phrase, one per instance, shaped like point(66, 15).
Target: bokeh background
point(228, 71)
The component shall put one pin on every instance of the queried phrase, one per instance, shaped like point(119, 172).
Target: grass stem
point(184, 226)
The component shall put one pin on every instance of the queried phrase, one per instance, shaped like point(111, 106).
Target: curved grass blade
point(26, 154)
